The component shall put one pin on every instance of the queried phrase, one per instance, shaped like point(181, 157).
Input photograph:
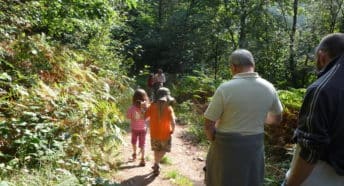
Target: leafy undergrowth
point(68, 114)
point(278, 139)
point(60, 102)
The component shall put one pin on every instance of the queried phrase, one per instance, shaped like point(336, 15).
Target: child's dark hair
point(140, 95)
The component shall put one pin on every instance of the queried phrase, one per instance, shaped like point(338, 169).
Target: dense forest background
point(68, 69)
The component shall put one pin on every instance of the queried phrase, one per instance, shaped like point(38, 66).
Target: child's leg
point(158, 155)
point(134, 148)
point(142, 162)
point(142, 153)
point(142, 141)
point(133, 142)
point(157, 158)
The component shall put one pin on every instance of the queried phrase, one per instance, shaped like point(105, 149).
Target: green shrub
point(292, 98)
point(197, 87)
point(191, 114)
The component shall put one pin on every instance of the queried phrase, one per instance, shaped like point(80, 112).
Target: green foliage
point(73, 22)
point(183, 36)
point(28, 140)
point(46, 175)
point(278, 139)
point(197, 87)
point(292, 98)
point(61, 90)
point(191, 114)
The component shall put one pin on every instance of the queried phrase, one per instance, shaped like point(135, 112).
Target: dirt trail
point(186, 159)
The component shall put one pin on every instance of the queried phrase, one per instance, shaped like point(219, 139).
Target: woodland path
point(186, 159)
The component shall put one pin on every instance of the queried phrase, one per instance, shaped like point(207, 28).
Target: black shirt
point(320, 131)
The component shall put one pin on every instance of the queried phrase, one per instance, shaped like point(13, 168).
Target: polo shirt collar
point(246, 75)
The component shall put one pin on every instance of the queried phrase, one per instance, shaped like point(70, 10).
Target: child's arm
point(173, 121)
point(129, 113)
point(173, 124)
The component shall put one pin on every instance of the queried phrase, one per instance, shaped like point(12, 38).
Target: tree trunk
point(292, 61)
point(242, 33)
point(160, 13)
point(334, 14)
point(216, 58)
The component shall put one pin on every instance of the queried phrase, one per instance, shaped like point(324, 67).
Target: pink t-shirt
point(137, 120)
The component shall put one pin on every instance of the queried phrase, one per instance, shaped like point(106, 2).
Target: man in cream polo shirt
point(240, 107)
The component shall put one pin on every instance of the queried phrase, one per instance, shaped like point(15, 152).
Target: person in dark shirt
point(319, 155)
point(150, 86)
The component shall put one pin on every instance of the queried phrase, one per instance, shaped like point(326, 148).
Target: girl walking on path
point(137, 122)
point(162, 124)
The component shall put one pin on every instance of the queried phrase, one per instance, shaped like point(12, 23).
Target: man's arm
point(209, 129)
point(273, 119)
point(311, 135)
point(299, 172)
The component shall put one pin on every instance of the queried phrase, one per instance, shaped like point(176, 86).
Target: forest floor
point(185, 159)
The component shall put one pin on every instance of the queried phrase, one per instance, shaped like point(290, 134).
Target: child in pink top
point(137, 122)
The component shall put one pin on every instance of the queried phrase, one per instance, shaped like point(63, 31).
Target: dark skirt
point(235, 160)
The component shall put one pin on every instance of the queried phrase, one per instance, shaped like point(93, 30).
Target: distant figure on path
point(137, 122)
point(159, 80)
point(162, 124)
point(319, 156)
point(240, 107)
point(150, 85)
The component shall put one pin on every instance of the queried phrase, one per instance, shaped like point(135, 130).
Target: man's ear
point(323, 58)
point(232, 68)
point(320, 61)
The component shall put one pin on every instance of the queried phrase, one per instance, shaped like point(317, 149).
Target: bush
point(278, 139)
point(197, 87)
point(189, 114)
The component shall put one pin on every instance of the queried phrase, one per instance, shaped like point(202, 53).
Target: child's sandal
point(156, 169)
point(142, 163)
point(133, 156)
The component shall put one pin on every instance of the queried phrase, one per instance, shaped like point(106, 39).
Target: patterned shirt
point(137, 120)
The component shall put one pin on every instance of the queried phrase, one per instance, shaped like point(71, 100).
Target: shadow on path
point(127, 167)
point(141, 180)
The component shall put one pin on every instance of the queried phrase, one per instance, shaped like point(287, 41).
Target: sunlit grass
point(166, 160)
point(178, 179)
point(44, 176)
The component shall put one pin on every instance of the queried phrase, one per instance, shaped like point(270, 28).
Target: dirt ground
point(186, 158)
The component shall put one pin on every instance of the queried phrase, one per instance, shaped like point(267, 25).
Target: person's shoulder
point(266, 83)
point(152, 104)
point(226, 83)
point(131, 108)
point(170, 107)
point(229, 84)
point(263, 80)
point(315, 87)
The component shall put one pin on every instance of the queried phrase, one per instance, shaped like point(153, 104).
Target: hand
point(144, 104)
